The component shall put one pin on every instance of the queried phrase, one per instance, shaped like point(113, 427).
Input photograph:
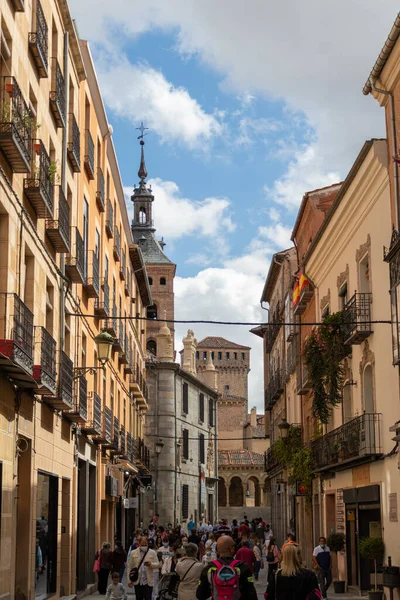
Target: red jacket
point(247, 556)
point(244, 529)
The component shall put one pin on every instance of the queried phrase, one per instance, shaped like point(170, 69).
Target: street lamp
point(284, 427)
point(159, 447)
point(104, 342)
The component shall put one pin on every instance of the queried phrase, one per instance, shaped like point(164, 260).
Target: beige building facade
point(71, 446)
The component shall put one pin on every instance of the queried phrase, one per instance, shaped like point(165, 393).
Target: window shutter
point(185, 501)
point(202, 449)
point(201, 407)
point(211, 412)
point(185, 449)
point(185, 398)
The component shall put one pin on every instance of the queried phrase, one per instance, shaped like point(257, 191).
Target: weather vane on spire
point(142, 129)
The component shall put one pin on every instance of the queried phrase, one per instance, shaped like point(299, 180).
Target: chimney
point(210, 374)
point(189, 353)
point(253, 417)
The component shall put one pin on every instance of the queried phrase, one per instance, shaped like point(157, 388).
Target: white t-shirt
point(323, 556)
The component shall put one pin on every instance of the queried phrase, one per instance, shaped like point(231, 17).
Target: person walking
point(142, 565)
point(268, 532)
point(105, 555)
point(118, 560)
point(292, 581)
point(116, 590)
point(290, 541)
point(246, 554)
point(273, 557)
point(189, 570)
point(257, 562)
point(235, 575)
point(323, 563)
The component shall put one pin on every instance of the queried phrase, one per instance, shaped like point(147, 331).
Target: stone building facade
point(68, 431)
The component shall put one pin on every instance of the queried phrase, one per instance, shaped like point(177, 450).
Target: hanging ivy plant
point(323, 354)
point(295, 458)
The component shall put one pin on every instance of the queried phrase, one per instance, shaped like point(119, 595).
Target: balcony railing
point(92, 285)
point(272, 328)
point(38, 42)
point(116, 434)
point(79, 413)
point(305, 295)
point(122, 268)
point(358, 440)
point(102, 305)
point(274, 389)
point(119, 341)
point(93, 425)
point(143, 454)
point(15, 126)
point(122, 438)
point(59, 230)
point(100, 198)
point(110, 220)
point(357, 318)
point(127, 288)
point(75, 261)
point(117, 245)
point(63, 400)
point(303, 381)
point(292, 358)
point(57, 94)
point(16, 341)
point(39, 187)
point(89, 155)
point(74, 144)
point(46, 372)
point(130, 448)
point(128, 369)
point(105, 436)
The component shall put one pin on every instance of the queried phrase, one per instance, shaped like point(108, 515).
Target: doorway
point(210, 508)
point(46, 534)
point(24, 516)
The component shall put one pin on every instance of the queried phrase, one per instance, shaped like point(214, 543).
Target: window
point(152, 312)
point(185, 398)
point(201, 407)
point(343, 296)
point(204, 355)
point(212, 355)
point(197, 355)
point(219, 355)
point(235, 355)
point(106, 269)
point(152, 347)
point(242, 355)
point(226, 388)
point(325, 312)
point(142, 216)
point(97, 244)
point(185, 444)
point(163, 281)
point(202, 454)
point(185, 501)
point(211, 412)
point(227, 355)
point(150, 281)
point(85, 237)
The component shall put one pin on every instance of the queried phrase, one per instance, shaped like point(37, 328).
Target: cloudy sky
point(249, 105)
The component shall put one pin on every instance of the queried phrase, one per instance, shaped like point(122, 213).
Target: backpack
point(271, 555)
point(225, 580)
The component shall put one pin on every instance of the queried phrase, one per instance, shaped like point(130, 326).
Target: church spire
point(142, 173)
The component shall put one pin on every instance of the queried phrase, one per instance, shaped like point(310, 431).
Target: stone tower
point(160, 270)
point(232, 367)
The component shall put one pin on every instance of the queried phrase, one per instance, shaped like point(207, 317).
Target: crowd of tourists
point(211, 561)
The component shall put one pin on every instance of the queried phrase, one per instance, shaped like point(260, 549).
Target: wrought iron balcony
point(39, 187)
point(116, 445)
point(79, 413)
point(358, 440)
point(272, 328)
point(357, 318)
point(119, 340)
point(57, 94)
point(122, 268)
point(305, 295)
point(59, 230)
point(89, 155)
point(127, 287)
point(143, 454)
point(16, 341)
point(130, 448)
point(102, 305)
point(274, 389)
point(46, 372)
point(94, 415)
point(128, 369)
point(110, 220)
point(105, 436)
point(122, 440)
point(15, 126)
point(63, 399)
point(292, 358)
point(38, 42)
point(75, 260)
point(303, 381)
point(74, 144)
point(117, 245)
point(112, 324)
point(100, 196)
point(92, 285)
point(19, 5)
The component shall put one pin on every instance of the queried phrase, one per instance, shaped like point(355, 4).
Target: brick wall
point(163, 297)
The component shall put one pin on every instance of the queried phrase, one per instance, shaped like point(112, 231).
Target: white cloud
point(140, 93)
point(251, 129)
point(277, 234)
point(177, 217)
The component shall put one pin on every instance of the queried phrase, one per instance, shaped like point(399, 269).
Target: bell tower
point(160, 269)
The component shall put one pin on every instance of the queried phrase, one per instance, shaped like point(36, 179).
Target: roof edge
point(383, 55)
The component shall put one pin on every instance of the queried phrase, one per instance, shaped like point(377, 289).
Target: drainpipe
point(64, 286)
point(176, 451)
point(394, 146)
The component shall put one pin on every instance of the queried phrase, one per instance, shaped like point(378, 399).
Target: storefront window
point(46, 535)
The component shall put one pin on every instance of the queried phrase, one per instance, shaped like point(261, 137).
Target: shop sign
point(393, 508)
point(111, 486)
point(301, 489)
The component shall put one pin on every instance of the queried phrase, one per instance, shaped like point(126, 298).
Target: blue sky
point(249, 106)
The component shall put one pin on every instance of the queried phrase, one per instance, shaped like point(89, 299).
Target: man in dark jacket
point(226, 551)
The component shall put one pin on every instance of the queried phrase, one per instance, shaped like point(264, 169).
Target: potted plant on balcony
point(372, 548)
point(336, 542)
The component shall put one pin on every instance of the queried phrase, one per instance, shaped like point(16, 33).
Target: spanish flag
point(303, 283)
point(296, 294)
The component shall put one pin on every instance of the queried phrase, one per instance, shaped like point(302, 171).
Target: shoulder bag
point(134, 573)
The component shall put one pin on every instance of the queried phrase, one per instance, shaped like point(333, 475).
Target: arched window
point(347, 403)
point(368, 390)
point(150, 281)
point(152, 312)
point(152, 347)
point(142, 216)
point(163, 281)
